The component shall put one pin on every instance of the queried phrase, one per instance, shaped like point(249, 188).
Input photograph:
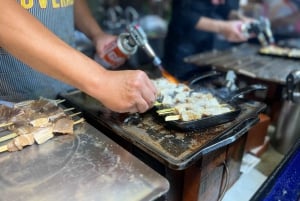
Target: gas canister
point(118, 51)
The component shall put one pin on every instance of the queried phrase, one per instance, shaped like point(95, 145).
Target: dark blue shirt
point(184, 40)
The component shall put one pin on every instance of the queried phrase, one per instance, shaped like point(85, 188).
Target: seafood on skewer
point(34, 122)
point(179, 102)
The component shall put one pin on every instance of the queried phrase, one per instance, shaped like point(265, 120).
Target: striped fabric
point(18, 81)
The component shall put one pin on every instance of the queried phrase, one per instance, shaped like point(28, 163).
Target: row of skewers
point(280, 51)
point(179, 102)
point(34, 121)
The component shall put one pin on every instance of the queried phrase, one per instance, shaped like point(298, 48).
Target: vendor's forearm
point(28, 40)
point(210, 25)
point(84, 20)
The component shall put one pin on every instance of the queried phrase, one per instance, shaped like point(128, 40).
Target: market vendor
point(198, 26)
point(29, 48)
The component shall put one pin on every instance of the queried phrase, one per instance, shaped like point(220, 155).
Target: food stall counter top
point(178, 150)
point(85, 166)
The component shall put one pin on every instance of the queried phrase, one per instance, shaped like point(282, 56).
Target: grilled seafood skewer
point(38, 135)
point(34, 121)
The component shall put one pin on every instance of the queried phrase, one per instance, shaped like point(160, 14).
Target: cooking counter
point(176, 149)
point(245, 60)
point(85, 166)
point(199, 164)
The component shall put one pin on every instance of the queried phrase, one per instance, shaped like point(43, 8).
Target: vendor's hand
point(129, 91)
point(231, 30)
point(101, 41)
point(217, 2)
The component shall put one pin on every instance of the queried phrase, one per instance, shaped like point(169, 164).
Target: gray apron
point(20, 82)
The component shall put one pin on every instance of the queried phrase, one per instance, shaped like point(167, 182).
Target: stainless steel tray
point(86, 166)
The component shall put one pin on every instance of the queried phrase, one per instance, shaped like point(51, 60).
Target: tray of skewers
point(185, 109)
point(278, 51)
point(34, 122)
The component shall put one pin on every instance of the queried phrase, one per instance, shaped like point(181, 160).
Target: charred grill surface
point(174, 148)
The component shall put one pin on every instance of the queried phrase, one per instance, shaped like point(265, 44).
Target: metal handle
point(292, 79)
point(246, 90)
point(209, 74)
point(235, 133)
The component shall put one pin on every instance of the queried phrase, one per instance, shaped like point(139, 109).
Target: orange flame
point(168, 76)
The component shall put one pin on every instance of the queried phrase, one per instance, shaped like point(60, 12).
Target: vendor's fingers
point(149, 96)
point(151, 85)
point(142, 106)
point(133, 110)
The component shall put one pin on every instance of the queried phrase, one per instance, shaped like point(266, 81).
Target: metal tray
point(214, 120)
point(145, 134)
point(202, 123)
point(85, 166)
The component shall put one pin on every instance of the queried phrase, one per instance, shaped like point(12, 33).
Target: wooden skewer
point(8, 137)
point(69, 109)
point(24, 103)
point(166, 111)
point(5, 124)
point(72, 115)
point(172, 118)
point(58, 101)
point(79, 121)
point(156, 103)
point(3, 148)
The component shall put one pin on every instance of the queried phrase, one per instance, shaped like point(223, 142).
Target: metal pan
point(214, 120)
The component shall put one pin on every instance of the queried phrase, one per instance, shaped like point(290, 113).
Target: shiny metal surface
point(244, 59)
point(175, 149)
point(288, 127)
point(84, 167)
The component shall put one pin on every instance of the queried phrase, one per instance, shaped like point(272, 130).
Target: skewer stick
point(3, 148)
point(58, 101)
point(69, 109)
point(79, 121)
point(172, 118)
point(5, 124)
point(23, 103)
point(8, 137)
point(74, 114)
point(166, 111)
point(156, 103)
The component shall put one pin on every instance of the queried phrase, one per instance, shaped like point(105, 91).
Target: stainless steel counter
point(246, 60)
point(84, 167)
point(176, 149)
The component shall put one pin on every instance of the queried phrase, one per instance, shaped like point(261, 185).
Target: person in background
point(197, 26)
point(284, 16)
point(35, 52)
